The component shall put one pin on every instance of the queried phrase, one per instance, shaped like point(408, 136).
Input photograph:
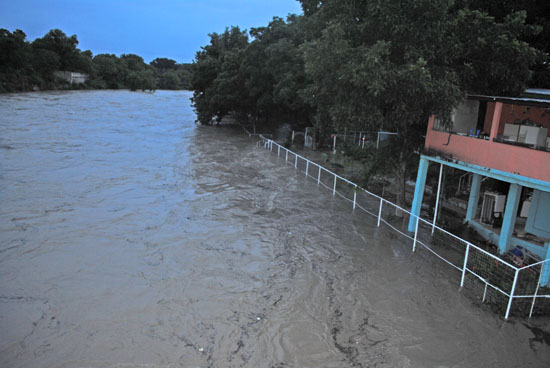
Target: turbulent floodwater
point(130, 237)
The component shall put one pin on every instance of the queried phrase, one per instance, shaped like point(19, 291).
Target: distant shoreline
point(73, 88)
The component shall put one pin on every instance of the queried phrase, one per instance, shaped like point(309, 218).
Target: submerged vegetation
point(372, 65)
point(26, 66)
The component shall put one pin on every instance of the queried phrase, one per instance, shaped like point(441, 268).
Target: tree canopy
point(28, 65)
point(368, 65)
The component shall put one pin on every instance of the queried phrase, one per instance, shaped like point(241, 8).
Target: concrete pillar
point(545, 277)
point(474, 198)
point(496, 121)
point(509, 220)
point(418, 191)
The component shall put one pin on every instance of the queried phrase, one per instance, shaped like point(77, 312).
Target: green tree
point(65, 48)
point(170, 80)
point(274, 73)
point(133, 62)
point(136, 73)
point(16, 72)
point(14, 50)
point(163, 63)
point(185, 74)
point(45, 62)
point(537, 34)
point(216, 83)
point(107, 71)
point(389, 64)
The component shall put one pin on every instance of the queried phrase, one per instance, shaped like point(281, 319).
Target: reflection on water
point(130, 237)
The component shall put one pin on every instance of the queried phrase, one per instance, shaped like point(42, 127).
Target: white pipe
point(465, 264)
point(511, 295)
point(415, 235)
point(437, 199)
point(380, 212)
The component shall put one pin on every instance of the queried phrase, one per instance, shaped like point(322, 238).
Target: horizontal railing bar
point(532, 296)
point(491, 285)
point(534, 264)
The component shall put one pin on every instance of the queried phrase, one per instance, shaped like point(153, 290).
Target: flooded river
point(130, 237)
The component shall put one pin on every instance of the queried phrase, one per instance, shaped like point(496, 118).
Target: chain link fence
point(508, 289)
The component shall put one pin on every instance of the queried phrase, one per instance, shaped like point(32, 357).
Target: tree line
point(373, 65)
point(26, 66)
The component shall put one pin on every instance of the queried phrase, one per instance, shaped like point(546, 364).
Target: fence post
point(271, 145)
point(354, 196)
point(380, 211)
point(307, 167)
point(537, 290)
point(465, 264)
point(415, 234)
point(437, 198)
point(278, 150)
point(295, 160)
point(512, 294)
point(319, 175)
point(334, 188)
point(286, 156)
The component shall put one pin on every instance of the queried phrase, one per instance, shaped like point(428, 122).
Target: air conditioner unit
point(492, 209)
point(532, 135)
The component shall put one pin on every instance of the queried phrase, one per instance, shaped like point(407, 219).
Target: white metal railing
point(487, 269)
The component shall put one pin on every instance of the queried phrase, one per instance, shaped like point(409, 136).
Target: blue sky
point(150, 28)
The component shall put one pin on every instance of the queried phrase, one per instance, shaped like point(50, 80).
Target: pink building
point(507, 140)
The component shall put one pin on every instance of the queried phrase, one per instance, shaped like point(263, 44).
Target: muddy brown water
point(130, 237)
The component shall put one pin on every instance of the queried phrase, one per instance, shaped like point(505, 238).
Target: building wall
point(465, 116)
point(72, 77)
point(489, 154)
point(515, 114)
point(538, 221)
point(489, 118)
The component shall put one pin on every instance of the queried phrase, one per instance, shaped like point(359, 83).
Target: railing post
point(319, 175)
point(286, 156)
point(295, 161)
point(512, 294)
point(354, 196)
point(278, 150)
point(334, 188)
point(271, 145)
point(437, 198)
point(307, 167)
point(465, 264)
point(537, 290)
point(380, 211)
point(415, 234)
